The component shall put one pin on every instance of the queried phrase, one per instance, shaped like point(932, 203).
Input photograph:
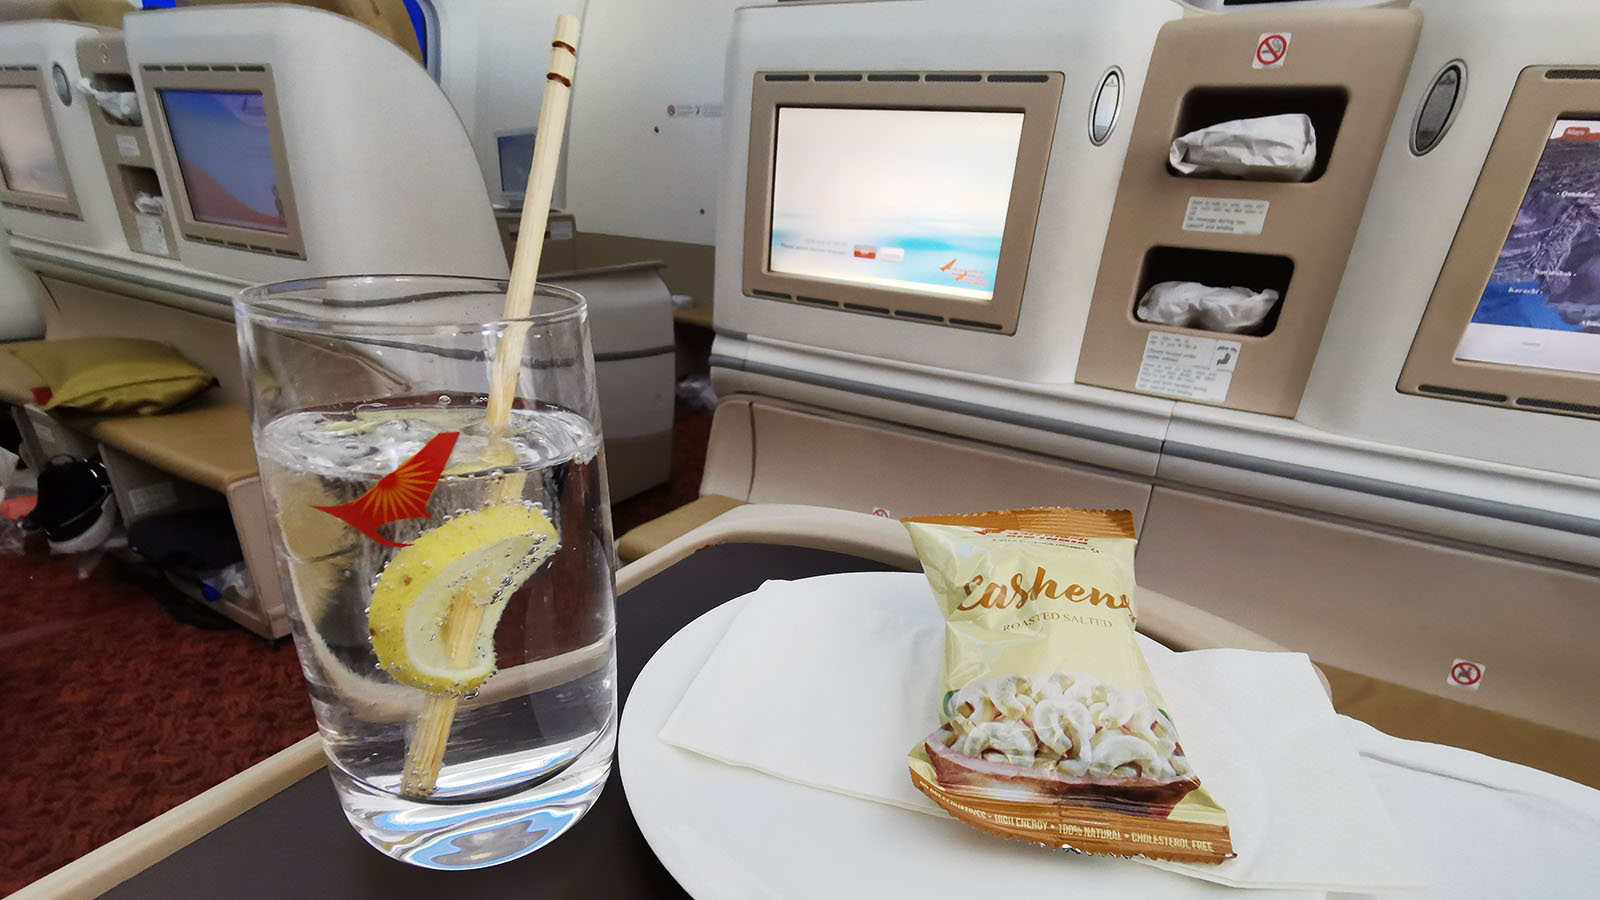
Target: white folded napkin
point(829, 681)
point(1483, 827)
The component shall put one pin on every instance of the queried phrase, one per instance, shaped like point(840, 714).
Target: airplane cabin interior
point(1309, 288)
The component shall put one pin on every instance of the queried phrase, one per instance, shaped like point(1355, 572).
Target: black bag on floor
point(201, 540)
point(183, 543)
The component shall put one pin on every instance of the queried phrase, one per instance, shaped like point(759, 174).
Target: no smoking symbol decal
point(1464, 673)
point(1271, 48)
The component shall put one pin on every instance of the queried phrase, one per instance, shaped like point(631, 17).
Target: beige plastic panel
point(51, 437)
point(102, 55)
point(559, 251)
point(803, 457)
point(248, 503)
point(1388, 607)
point(142, 490)
point(1367, 53)
point(689, 268)
point(730, 451)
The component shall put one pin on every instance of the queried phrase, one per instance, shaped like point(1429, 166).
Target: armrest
point(1172, 622)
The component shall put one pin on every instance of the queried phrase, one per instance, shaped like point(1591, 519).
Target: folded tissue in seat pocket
point(1269, 148)
point(1189, 304)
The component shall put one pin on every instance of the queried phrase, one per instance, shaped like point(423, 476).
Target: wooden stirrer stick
point(425, 753)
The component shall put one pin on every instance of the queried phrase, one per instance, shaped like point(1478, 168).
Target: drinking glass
point(450, 573)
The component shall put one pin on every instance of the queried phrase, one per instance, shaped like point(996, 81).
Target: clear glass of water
point(450, 572)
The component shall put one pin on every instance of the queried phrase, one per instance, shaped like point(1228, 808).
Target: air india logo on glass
point(401, 494)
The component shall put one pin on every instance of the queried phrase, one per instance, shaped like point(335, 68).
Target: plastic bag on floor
point(13, 540)
point(8, 468)
point(695, 392)
point(12, 537)
point(231, 580)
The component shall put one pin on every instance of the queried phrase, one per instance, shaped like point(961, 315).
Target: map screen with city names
point(1541, 307)
point(902, 199)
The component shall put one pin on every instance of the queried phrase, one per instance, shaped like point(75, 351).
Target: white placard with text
point(1183, 365)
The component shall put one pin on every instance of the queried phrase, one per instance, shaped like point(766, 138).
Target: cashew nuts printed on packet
point(1051, 727)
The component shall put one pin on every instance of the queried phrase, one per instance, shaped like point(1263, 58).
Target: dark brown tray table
point(297, 844)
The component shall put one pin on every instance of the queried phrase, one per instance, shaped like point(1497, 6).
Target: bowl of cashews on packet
point(1051, 727)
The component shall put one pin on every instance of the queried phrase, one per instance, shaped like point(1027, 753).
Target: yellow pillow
point(113, 375)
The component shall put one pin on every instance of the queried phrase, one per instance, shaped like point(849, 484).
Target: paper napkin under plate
point(828, 682)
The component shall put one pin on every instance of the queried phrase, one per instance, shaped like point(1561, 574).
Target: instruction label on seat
point(1183, 365)
point(1225, 215)
point(152, 234)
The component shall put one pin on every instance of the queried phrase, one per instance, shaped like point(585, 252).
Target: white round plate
point(730, 832)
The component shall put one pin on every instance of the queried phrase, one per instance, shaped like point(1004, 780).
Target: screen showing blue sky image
point(516, 159)
point(904, 199)
point(224, 148)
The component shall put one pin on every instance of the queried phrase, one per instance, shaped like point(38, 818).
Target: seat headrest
point(387, 17)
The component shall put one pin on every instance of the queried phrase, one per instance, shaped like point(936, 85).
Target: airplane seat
point(387, 17)
point(205, 441)
point(131, 247)
point(1331, 477)
point(21, 294)
point(125, 247)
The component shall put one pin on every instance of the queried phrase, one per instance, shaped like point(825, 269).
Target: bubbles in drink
point(547, 707)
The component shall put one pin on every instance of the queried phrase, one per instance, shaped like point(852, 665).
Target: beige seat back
point(387, 17)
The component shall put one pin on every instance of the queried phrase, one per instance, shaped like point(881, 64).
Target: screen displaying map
point(1541, 307)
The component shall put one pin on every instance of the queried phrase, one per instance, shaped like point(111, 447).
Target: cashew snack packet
point(1051, 727)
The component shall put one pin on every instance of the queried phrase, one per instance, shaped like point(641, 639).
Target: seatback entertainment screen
point(28, 158)
point(1541, 307)
point(904, 199)
point(224, 148)
point(516, 158)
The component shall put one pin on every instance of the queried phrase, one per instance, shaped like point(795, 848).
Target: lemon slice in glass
point(492, 455)
point(482, 556)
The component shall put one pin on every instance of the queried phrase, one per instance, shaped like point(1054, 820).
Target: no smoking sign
point(1271, 48)
point(1464, 673)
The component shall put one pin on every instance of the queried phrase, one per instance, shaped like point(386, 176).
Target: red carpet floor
point(114, 712)
point(117, 713)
